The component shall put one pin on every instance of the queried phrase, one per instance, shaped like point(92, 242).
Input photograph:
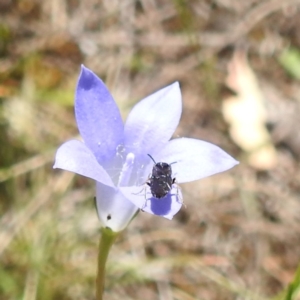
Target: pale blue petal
point(114, 210)
point(165, 207)
point(152, 121)
point(195, 159)
point(98, 117)
point(75, 156)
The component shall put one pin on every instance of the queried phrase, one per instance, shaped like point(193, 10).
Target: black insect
point(161, 180)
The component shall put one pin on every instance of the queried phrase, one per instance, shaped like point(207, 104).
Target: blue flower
point(116, 155)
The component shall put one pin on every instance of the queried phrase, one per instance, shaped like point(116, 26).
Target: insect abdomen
point(160, 186)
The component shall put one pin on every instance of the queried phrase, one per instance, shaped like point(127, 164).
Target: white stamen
point(126, 170)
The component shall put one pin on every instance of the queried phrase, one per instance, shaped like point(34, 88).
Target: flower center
point(126, 170)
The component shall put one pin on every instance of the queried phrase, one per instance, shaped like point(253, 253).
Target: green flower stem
point(106, 241)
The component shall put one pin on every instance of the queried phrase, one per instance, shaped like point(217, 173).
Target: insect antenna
point(152, 158)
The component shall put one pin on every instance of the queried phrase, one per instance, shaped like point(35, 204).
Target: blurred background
point(238, 64)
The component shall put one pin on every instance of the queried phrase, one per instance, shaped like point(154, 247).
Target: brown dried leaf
point(246, 114)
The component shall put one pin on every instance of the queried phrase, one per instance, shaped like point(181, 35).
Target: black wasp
point(161, 180)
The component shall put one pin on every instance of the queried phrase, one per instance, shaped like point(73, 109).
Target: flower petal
point(153, 120)
point(195, 159)
point(75, 156)
point(97, 115)
point(165, 207)
point(114, 210)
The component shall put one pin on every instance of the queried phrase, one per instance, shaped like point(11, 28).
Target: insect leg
point(178, 187)
point(145, 203)
point(144, 188)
